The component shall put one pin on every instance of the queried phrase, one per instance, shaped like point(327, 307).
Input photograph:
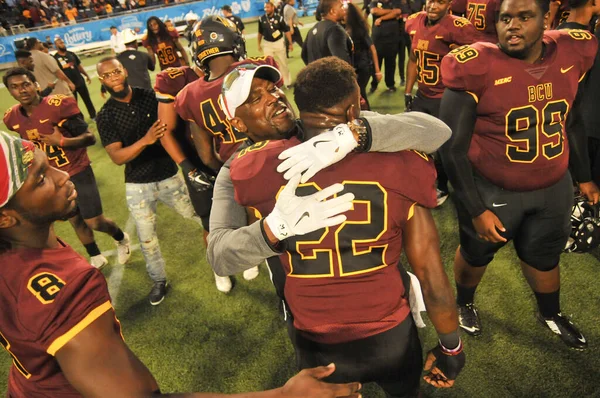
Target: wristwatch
point(360, 129)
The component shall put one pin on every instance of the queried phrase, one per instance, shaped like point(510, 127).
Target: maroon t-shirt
point(431, 43)
point(47, 296)
point(343, 282)
point(166, 51)
point(52, 111)
point(482, 14)
point(199, 102)
point(519, 141)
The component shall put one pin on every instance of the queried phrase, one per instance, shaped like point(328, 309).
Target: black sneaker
point(158, 292)
point(468, 319)
point(564, 328)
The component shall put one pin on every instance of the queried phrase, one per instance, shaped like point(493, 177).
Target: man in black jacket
point(327, 37)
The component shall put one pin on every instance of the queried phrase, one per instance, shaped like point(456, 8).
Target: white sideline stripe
point(115, 278)
point(92, 68)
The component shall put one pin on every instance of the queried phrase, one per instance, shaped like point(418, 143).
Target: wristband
point(187, 166)
point(450, 340)
point(62, 141)
point(453, 352)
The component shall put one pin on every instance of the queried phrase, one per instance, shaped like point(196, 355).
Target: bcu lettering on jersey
point(96, 31)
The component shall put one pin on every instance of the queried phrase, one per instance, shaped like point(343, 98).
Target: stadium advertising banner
point(99, 30)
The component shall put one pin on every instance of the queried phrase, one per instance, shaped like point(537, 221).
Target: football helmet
point(585, 226)
point(215, 36)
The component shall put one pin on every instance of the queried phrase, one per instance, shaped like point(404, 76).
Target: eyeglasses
point(108, 75)
point(235, 74)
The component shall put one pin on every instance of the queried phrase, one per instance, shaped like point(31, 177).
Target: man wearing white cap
point(57, 320)
point(137, 63)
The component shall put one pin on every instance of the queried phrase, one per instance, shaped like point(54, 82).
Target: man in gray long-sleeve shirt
point(234, 246)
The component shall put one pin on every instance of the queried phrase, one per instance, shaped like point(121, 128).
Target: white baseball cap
point(128, 36)
point(237, 84)
point(191, 16)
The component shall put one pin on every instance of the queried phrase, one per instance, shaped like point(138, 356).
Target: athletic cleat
point(564, 328)
point(98, 261)
point(441, 197)
point(251, 273)
point(468, 319)
point(158, 292)
point(223, 283)
point(124, 249)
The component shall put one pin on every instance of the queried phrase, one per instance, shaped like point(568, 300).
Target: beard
point(119, 94)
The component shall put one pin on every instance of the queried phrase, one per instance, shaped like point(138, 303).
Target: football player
point(57, 322)
point(433, 33)
point(164, 42)
point(345, 292)
point(559, 12)
point(219, 47)
point(178, 143)
point(482, 14)
point(509, 154)
point(56, 126)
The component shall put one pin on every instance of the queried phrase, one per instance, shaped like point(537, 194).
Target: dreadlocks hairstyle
point(314, 91)
point(162, 31)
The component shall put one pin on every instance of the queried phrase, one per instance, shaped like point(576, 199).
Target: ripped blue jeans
point(142, 200)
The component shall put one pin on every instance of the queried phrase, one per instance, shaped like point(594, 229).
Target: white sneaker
point(223, 283)
point(251, 273)
point(441, 197)
point(98, 261)
point(123, 249)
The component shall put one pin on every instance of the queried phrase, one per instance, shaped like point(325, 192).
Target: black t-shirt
point(324, 39)
point(137, 64)
point(389, 30)
point(237, 21)
point(69, 64)
point(129, 122)
point(272, 28)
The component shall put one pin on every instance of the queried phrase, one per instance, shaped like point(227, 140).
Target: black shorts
point(537, 221)
point(201, 201)
point(392, 359)
point(430, 106)
point(88, 197)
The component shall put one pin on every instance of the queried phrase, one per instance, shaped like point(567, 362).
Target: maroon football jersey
point(343, 282)
point(166, 51)
point(47, 297)
point(431, 43)
point(519, 142)
point(52, 111)
point(482, 14)
point(199, 103)
point(171, 81)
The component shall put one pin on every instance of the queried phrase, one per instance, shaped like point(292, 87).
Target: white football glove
point(299, 215)
point(317, 153)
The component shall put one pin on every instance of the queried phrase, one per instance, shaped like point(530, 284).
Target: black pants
point(85, 96)
point(296, 38)
point(594, 153)
point(392, 359)
point(363, 74)
point(431, 106)
point(386, 53)
point(403, 49)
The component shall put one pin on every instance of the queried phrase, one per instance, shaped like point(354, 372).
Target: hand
point(87, 80)
point(487, 225)
point(52, 139)
point(291, 30)
point(299, 215)
point(378, 76)
point(408, 102)
point(317, 153)
point(378, 22)
point(260, 48)
point(71, 86)
point(156, 132)
point(591, 191)
point(290, 47)
point(52, 85)
point(199, 180)
point(307, 384)
point(443, 367)
point(103, 94)
point(300, 23)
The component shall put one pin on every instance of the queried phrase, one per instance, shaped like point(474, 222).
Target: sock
point(119, 236)
point(465, 295)
point(548, 303)
point(92, 249)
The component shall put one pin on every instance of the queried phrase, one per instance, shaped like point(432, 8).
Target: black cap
point(22, 54)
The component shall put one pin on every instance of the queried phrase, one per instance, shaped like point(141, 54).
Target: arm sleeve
point(233, 246)
point(579, 161)
point(46, 92)
point(75, 125)
point(459, 111)
point(336, 41)
point(77, 60)
point(412, 130)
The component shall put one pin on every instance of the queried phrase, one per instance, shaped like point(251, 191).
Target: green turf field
point(199, 339)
